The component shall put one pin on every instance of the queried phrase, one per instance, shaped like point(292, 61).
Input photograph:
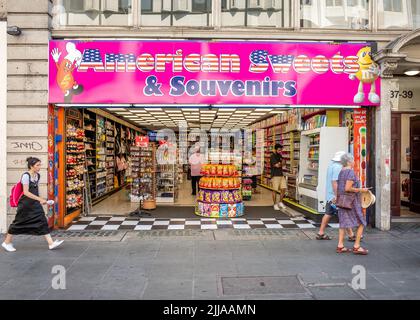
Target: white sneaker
point(276, 207)
point(281, 205)
point(55, 244)
point(8, 247)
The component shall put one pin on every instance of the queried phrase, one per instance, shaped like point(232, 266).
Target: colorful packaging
point(213, 170)
point(200, 195)
point(231, 183)
point(207, 196)
point(224, 210)
point(200, 207)
point(232, 210)
point(225, 170)
point(225, 183)
point(220, 170)
point(215, 196)
point(215, 209)
point(240, 209)
point(206, 209)
point(231, 198)
point(225, 196)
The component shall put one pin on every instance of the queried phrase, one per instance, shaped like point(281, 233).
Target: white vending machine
point(317, 148)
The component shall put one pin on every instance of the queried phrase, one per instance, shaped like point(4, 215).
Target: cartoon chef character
point(65, 68)
point(368, 73)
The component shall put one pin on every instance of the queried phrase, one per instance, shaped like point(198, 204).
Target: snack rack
point(75, 161)
point(219, 194)
point(143, 173)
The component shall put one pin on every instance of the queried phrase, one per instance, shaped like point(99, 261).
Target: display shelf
point(143, 173)
point(314, 161)
point(226, 201)
point(75, 161)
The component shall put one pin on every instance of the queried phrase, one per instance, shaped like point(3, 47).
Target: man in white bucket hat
point(333, 171)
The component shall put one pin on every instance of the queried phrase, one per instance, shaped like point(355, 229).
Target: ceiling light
point(116, 109)
point(278, 111)
point(411, 73)
point(153, 109)
point(244, 111)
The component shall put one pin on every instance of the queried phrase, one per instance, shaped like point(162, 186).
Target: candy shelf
point(219, 192)
point(143, 173)
point(75, 161)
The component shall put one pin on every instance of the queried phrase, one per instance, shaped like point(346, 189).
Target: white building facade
point(24, 84)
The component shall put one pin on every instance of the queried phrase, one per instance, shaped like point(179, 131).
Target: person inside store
point(350, 213)
point(196, 160)
point(254, 175)
point(278, 181)
point(333, 171)
point(30, 217)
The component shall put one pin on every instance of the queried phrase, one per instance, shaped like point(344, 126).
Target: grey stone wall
point(27, 88)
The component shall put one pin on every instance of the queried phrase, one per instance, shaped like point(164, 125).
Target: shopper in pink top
point(195, 161)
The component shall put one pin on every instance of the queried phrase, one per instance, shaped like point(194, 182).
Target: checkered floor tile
point(144, 224)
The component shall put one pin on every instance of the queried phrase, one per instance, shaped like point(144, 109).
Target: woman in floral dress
point(350, 218)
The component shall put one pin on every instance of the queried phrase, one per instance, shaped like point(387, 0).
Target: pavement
point(212, 264)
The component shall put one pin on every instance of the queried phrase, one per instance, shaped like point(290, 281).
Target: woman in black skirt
point(30, 217)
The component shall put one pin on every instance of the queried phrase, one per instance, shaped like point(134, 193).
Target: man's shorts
point(278, 183)
point(330, 210)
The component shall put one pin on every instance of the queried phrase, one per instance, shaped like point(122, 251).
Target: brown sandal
point(342, 250)
point(360, 250)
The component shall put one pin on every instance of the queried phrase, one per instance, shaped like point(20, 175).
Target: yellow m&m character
point(368, 73)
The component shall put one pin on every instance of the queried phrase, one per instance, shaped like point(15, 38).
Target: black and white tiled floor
point(139, 224)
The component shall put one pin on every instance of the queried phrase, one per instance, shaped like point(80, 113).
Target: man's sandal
point(322, 237)
point(342, 250)
point(360, 250)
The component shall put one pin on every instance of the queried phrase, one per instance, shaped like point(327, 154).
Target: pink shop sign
point(200, 72)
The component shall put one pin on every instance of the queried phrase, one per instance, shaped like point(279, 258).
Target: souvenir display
point(219, 194)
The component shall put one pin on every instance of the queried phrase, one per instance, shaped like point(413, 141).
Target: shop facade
point(209, 78)
point(27, 96)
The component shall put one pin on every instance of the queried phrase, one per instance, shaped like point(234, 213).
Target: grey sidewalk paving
point(221, 264)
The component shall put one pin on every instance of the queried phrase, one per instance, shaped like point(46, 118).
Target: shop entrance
point(118, 148)
point(405, 195)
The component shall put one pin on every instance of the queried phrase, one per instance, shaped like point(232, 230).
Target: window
point(189, 13)
point(392, 5)
point(95, 12)
point(257, 13)
point(335, 14)
point(334, 3)
point(146, 5)
point(393, 14)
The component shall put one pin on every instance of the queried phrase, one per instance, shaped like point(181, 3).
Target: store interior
point(112, 160)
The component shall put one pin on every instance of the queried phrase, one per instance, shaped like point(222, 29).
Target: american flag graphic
point(120, 62)
point(281, 63)
point(258, 60)
point(145, 62)
point(337, 65)
point(163, 59)
point(230, 63)
point(91, 59)
point(352, 65)
point(320, 64)
point(210, 63)
point(302, 64)
point(192, 62)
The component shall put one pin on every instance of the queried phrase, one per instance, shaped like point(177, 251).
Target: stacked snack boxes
point(219, 192)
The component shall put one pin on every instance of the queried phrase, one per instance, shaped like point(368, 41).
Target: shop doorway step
point(147, 224)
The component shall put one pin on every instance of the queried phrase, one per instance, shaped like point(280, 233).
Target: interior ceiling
point(204, 118)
